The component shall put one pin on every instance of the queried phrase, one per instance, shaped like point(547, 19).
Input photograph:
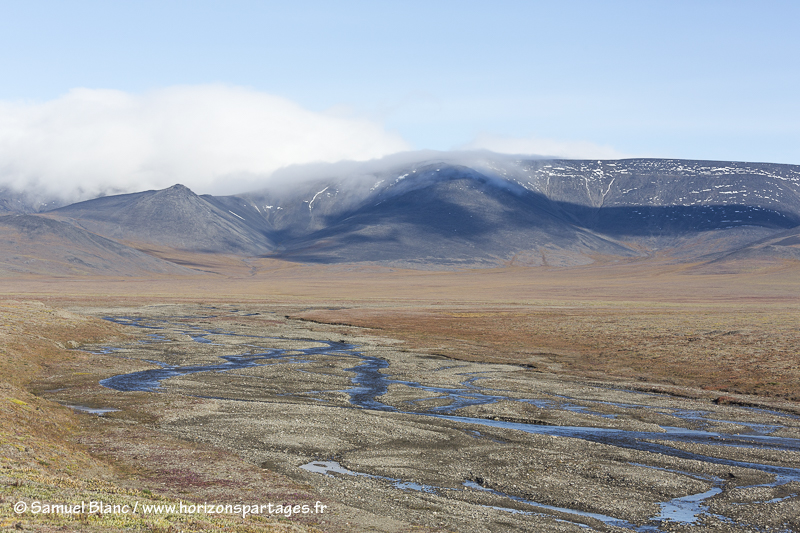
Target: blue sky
point(699, 80)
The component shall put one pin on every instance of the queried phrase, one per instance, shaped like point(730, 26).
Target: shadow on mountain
point(452, 221)
point(463, 219)
point(643, 220)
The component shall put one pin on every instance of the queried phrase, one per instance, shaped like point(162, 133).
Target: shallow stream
point(371, 380)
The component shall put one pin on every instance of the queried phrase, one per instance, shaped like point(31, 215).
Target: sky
point(100, 96)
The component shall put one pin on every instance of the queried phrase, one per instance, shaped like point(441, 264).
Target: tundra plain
point(617, 346)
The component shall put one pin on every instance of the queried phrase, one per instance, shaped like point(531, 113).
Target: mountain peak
point(178, 188)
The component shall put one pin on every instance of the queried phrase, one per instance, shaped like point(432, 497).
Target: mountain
point(174, 217)
point(473, 210)
point(32, 244)
point(449, 214)
point(494, 209)
point(12, 201)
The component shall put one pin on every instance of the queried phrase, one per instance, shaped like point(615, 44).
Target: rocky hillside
point(479, 210)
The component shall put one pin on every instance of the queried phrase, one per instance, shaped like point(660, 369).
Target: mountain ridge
point(481, 212)
point(175, 217)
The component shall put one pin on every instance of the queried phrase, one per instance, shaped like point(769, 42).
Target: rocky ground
point(401, 468)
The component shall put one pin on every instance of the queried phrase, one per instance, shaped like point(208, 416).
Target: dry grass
point(728, 331)
point(51, 455)
point(231, 279)
point(726, 328)
point(749, 350)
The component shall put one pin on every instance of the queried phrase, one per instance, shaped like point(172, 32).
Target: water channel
point(372, 378)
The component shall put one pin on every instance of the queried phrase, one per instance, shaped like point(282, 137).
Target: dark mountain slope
point(38, 245)
point(460, 217)
point(694, 208)
point(174, 217)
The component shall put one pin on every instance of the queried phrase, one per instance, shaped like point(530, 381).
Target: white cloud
point(543, 147)
point(212, 138)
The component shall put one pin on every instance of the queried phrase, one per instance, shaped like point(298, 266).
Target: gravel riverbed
point(415, 439)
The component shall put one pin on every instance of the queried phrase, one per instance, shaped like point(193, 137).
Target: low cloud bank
point(544, 147)
point(215, 139)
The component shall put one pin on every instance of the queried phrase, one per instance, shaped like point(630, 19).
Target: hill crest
point(487, 211)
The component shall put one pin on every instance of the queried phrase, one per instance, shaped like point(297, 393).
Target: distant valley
point(481, 211)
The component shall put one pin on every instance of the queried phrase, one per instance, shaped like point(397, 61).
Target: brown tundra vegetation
point(717, 337)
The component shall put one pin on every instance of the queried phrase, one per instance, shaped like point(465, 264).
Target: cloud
point(543, 147)
point(214, 139)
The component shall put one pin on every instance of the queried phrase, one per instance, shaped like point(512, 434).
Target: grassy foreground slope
point(45, 447)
